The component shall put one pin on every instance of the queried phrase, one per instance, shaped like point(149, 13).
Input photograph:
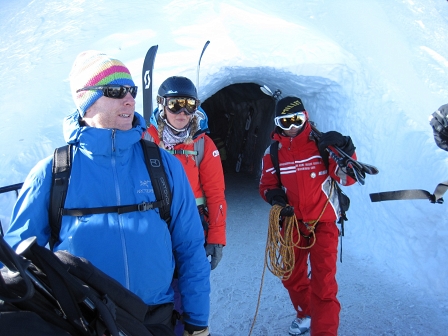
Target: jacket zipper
point(123, 241)
point(113, 140)
point(220, 211)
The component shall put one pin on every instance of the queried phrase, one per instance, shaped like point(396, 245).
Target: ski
point(243, 145)
point(199, 64)
point(267, 91)
point(230, 118)
point(13, 187)
point(412, 194)
point(254, 148)
point(148, 66)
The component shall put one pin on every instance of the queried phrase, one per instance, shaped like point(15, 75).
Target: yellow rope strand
point(279, 253)
point(259, 297)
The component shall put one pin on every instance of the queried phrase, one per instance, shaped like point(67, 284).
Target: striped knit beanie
point(93, 68)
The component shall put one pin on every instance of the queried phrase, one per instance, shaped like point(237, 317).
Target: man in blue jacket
point(138, 248)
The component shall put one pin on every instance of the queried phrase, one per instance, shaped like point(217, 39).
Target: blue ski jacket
point(138, 249)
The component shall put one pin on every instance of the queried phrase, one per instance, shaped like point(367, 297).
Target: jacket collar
point(101, 141)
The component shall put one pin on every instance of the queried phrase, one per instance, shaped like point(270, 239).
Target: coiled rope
point(280, 248)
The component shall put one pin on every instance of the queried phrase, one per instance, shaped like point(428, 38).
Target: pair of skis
point(148, 67)
point(352, 167)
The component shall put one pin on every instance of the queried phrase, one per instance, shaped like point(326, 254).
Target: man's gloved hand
point(334, 138)
point(215, 251)
point(276, 196)
point(196, 331)
point(287, 211)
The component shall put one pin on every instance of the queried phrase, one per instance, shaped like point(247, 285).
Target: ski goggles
point(177, 105)
point(113, 91)
point(289, 121)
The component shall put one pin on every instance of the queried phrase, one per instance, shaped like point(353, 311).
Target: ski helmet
point(439, 122)
point(178, 86)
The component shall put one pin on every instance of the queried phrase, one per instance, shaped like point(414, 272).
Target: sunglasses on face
point(113, 91)
point(291, 120)
point(177, 105)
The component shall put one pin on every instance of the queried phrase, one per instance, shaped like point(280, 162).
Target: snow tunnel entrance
point(241, 142)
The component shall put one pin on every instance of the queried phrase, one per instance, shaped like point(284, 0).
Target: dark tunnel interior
point(240, 120)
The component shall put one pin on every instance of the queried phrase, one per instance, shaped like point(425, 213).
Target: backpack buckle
point(145, 206)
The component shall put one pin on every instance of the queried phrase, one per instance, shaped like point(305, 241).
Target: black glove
point(276, 196)
point(287, 211)
point(334, 138)
point(195, 330)
point(215, 251)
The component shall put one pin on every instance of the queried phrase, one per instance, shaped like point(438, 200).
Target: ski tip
point(375, 197)
point(265, 89)
point(152, 50)
point(203, 49)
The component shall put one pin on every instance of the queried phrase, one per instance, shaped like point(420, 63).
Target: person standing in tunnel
point(176, 127)
point(305, 187)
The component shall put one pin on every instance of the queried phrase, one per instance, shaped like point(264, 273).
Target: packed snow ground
point(375, 301)
point(372, 69)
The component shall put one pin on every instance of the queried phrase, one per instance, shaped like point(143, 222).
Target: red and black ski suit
point(307, 183)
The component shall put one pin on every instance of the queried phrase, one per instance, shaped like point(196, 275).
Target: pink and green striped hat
point(92, 68)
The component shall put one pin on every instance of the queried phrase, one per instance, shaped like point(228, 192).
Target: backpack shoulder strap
point(158, 177)
point(62, 161)
point(148, 136)
point(199, 148)
point(273, 150)
point(198, 151)
point(323, 153)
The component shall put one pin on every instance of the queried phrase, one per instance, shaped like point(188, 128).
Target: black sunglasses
point(113, 91)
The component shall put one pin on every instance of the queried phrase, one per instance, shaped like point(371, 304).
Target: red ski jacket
point(304, 177)
point(207, 182)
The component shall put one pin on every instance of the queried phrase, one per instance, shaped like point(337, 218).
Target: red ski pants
point(316, 297)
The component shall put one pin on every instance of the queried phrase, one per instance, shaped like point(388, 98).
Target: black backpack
point(62, 161)
point(46, 293)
